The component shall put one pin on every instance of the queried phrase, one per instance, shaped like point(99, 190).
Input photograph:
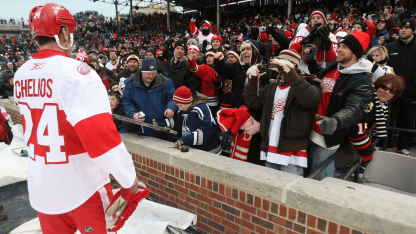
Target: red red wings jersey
point(71, 139)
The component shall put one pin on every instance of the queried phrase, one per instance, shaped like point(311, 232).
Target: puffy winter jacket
point(152, 102)
point(377, 36)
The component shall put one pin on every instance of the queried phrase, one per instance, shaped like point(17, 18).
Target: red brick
point(167, 169)
point(246, 207)
point(182, 203)
point(203, 191)
point(344, 230)
point(192, 187)
point(266, 205)
point(278, 220)
point(204, 227)
point(245, 223)
point(260, 230)
point(231, 225)
point(177, 173)
point(151, 162)
point(147, 162)
point(217, 211)
point(181, 183)
point(310, 231)
point(219, 197)
point(292, 214)
point(246, 216)
point(204, 199)
point(181, 189)
point(181, 196)
point(161, 181)
point(257, 202)
point(245, 231)
point(332, 228)
point(216, 232)
point(161, 174)
point(204, 213)
point(216, 219)
point(186, 176)
point(152, 177)
point(144, 168)
point(222, 189)
point(229, 231)
point(242, 196)
point(283, 211)
point(193, 201)
point(203, 182)
point(311, 221)
point(231, 201)
point(262, 214)
point(159, 166)
point(228, 191)
point(279, 229)
point(209, 184)
point(192, 178)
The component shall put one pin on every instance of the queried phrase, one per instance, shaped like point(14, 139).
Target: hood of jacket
point(362, 65)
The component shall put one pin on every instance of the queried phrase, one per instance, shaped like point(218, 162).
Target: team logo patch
point(408, 23)
point(36, 66)
point(152, 67)
point(329, 85)
point(84, 69)
point(88, 229)
point(369, 107)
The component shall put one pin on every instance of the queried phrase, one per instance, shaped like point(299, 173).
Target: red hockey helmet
point(48, 19)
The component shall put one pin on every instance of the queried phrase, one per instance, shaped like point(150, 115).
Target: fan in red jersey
point(71, 139)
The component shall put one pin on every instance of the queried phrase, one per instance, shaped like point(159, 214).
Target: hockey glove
point(312, 53)
point(124, 203)
point(323, 33)
point(328, 125)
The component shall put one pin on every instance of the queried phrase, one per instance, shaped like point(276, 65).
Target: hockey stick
point(147, 125)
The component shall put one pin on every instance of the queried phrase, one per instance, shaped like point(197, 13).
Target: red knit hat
point(291, 55)
point(206, 24)
point(183, 95)
point(357, 42)
point(194, 49)
point(232, 119)
point(216, 37)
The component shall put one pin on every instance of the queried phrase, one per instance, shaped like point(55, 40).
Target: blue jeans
point(318, 155)
point(293, 169)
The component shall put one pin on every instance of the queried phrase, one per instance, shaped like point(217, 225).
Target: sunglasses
point(387, 89)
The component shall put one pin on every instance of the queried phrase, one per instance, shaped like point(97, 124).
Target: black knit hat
point(181, 43)
point(151, 50)
point(320, 12)
point(357, 42)
point(408, 23)
point(362, 24)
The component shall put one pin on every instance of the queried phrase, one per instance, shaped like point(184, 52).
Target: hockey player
point(204, 35)
point(71, 139)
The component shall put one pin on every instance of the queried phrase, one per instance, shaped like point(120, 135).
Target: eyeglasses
point(387, 89)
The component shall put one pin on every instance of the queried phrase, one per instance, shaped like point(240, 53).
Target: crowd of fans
point(290, 92)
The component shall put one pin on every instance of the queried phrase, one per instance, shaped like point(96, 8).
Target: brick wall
point(15, 115)
point(221, 208)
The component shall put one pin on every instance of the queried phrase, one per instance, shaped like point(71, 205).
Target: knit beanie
point(362, 24)
point(291, 55)
point(206, 23)
point(232, 119)
point(151, 50)
point(234, 52)
point(183, 96)
point(210, 52)
point(181, 43)
point(320, 12)
point(216, 37)
point(191, 40)
point(133, 56)
point(194, 49)
point(356, 42)
point(149, 65)
point(408, 23)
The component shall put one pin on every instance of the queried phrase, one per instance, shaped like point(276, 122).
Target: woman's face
point(376, 56)
point(384, 95)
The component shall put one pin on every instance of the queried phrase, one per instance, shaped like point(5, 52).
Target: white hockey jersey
point(195, 32)
point(71, 138)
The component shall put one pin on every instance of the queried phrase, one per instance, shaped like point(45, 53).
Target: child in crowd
point(195, 121)
point(118, 109)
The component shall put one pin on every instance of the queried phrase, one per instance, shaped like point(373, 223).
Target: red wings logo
point(36, 66)
point(278, 107)
point(329, 85)
point(84, 69)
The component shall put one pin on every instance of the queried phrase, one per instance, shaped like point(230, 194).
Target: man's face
point(197, 40)
point(381, 25)
point(395, 36)
point(246, 54)
point(205, 28)
point(356, 28)
point(216, 44)
point(113, 102)
point(405, 32)
point(231, 58)
point(113, 55)
point(149, 54)
point(239, 43)
point(344, 54)
point(133, 65)
point(210, 60)
point(95, 64)
point(316, 19)
point(190, 43)
point(179, 52)
point(102, 60)
point(345, 22)
point(148, 77)
point(10, 66)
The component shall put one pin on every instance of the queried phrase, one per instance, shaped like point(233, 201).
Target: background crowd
point(203, 79)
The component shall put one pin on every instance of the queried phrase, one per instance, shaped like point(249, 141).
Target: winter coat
point(119, 110)
point(197, 126)
point(104, 77)
point(181, 75)
point(377, 36)
point(402, 57)
point(300, 108)
point(4, 82)
point(6, 134)
point(153, 102)
point(351, 94)
point(125, 73)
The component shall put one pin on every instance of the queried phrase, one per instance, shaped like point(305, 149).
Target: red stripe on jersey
point(98, 134)
point(364, 146)
point(273, 149)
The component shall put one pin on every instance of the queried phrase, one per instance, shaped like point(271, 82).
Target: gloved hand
point(312, 52)
point(124, 203)
point(270, 29)
point(254, 71)
point(312, 35)
point(283, 66)
point(327, 125)
point(323, 33)
point(370, 58)
point(204, 46)
point(178, 144)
